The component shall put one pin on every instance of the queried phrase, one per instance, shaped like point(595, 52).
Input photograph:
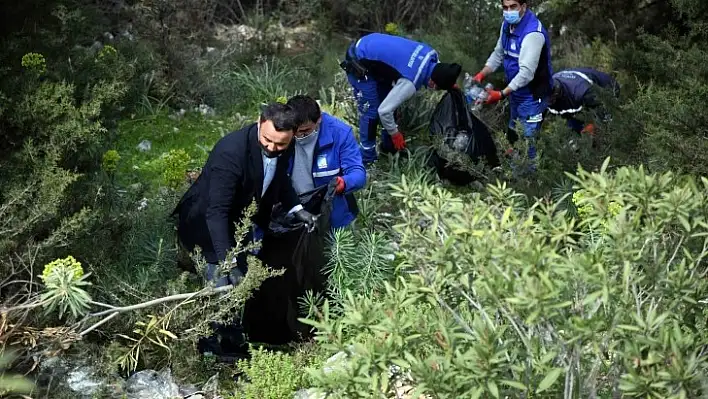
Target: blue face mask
point(512, 17)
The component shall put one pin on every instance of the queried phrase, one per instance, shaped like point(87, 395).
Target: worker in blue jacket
point(524, 49)
point(577, 89)
point(326, 149)
point(386, 70)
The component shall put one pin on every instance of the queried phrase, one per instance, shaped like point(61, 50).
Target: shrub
point(276, 375)
point(110, 161)
point(175, 166)
point(510, 301)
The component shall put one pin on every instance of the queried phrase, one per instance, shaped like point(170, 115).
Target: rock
point(335, 363)
point(144, 145)
point(189, 391)
point(96, 47)
point(149, 384)
point(142, 204)
point(205, 110)
point(212, 385)
point(178, 114)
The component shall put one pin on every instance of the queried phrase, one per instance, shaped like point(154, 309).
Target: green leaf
point(493, 388)
point(477, 393)
point(684, 222)
point(592, 297)
point(465, 280)
point(549, 380)
point(561, 305)
point(168, 333)
point(629, 327)
point(548, 357)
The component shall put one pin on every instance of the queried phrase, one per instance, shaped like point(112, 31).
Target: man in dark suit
point(245, 164)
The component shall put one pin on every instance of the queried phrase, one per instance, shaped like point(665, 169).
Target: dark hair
point(283, 116)
point(306, 108)
point(521, 2)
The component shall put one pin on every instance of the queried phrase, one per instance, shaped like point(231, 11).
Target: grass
point(193, 133)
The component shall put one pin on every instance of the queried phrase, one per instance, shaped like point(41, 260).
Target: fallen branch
point(100, 323)
point(30, 305)
point(176, 297)
point(113, 311)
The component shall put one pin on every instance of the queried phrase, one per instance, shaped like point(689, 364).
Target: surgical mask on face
point(307, 139)
point(512, 17)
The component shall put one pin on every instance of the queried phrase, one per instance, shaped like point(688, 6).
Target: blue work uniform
point(337, 154)
point(528, 103)
point(577, 90)
point(386, 59)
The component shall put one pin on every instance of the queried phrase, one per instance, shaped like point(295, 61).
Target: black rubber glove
point(306, 217)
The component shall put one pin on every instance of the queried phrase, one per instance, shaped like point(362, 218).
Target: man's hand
point(341, 186)
point(307, 218)
point(494, 96)
point(479, 77)
point(399, 142)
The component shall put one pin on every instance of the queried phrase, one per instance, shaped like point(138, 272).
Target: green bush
point(175, 168)
point(275, 375)
point(510, 301)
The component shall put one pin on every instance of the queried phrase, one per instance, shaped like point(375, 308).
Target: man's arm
point(224, 177)
point(529, 54)
point(402, 91)
point(495, 59)
point(353, 171)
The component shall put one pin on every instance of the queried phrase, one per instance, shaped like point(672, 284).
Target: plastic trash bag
point(461, 131)
point(270, 316)
point(150, 384)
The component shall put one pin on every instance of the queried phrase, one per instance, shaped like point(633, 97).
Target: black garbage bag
point(270, 316)
point(462, 132)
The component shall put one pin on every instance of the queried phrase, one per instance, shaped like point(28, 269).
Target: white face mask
point(307, 139)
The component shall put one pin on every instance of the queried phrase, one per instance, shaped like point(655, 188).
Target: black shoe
point(209, 345)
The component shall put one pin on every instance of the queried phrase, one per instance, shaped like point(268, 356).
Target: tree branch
point(30, 305)
point(96, 325)
point(177, 297)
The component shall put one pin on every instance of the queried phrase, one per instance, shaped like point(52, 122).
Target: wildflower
point(585, 208)
point(34, 62)
point(392, 28)
point(110, 160)
point(68, 266)
point(107, 51)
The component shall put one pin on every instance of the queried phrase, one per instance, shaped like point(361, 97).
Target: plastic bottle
point(480, 97)
point(483, 94)
point(469, 89)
